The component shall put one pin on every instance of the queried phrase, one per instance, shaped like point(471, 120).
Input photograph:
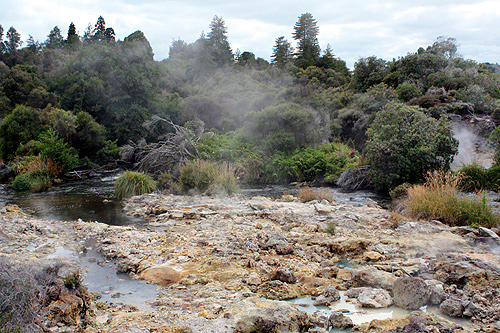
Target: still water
point(93, 199)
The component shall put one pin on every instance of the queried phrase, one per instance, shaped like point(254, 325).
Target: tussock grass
point(307, 194)
point(208, 177)
point(133, 183)
point(439, 198)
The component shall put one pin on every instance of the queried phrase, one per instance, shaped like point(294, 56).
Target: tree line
point(303, 116)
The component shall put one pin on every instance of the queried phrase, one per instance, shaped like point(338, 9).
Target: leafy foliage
point(404, 144)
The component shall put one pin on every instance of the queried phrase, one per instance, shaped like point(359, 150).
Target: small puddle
point(361, 315)
point(102, 278)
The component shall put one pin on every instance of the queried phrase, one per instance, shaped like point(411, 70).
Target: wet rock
point(340, 321)
point(452, 307)
point(372, 277)
point(375, 298)
point(329, 296)
point(320, 318)
point(277, 290)
point(163, 275)
point(411, 293)
point(354, 292)
point(284, 275)
point(438, 294)
point(279, 244)
point(259, 315)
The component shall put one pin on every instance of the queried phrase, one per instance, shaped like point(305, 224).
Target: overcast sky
point(354, 29)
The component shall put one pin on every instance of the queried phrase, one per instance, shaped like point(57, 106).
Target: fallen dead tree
point(355, 178)
point(174, 149)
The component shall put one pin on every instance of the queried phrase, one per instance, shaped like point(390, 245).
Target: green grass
point(133, 183)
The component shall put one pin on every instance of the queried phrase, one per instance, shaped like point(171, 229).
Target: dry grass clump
point(439, 198)
point(307, 194)
point(208, 177)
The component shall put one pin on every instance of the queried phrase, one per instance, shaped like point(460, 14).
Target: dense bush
point(24, 291)
point(439, 198)
point(133, 183)
point(404, 144)
point(57, 150)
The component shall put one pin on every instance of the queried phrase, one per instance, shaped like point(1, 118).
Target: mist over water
point(471, 149)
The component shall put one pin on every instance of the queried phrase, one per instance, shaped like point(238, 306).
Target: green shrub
point(166, 181)
point(474, 178)
point(36, 181)
point(73, 280)
point(439, 198)
point(399, 191)
point(58, 150)
point(493, 178)
point(404, 144)
point(133, 183)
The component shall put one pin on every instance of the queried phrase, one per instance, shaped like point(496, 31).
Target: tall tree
point(54, 39)
point(217, 39)
point(305, 32)
point(2, 45)
point(217, 35)
point(33, 45)
point(99, 29)
point(13, 40)
point(282, 52)
point(72, 39)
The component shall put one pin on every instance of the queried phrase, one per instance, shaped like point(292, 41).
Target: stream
point(93, 200)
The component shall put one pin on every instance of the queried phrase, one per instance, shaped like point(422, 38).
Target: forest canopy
point(303, 116)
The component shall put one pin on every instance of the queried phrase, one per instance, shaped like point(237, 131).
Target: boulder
point(284, 275)
point(277, 290)
point(163, 275)
point(375, 298)
point(372, 277)
point(340, 321)
point(452, 307)
point(279, 244)
point(320, 318)
point(260, 315)
point(411, 293)
point(330, 295)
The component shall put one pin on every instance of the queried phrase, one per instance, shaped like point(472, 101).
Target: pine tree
point(282, 52)
point(306, 32)
point(55, 40)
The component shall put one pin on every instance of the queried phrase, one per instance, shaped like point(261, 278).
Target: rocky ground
point(229, 264)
